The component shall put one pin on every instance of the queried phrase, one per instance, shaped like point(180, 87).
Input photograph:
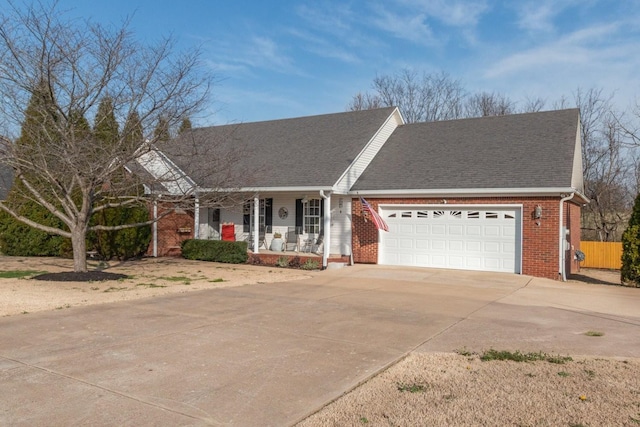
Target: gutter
point(561, 254)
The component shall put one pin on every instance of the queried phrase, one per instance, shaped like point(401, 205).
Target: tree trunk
point(79, 243)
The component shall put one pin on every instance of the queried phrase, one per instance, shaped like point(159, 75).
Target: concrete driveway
point(272, 354)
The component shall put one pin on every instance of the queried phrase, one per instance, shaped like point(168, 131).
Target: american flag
point(377, 219)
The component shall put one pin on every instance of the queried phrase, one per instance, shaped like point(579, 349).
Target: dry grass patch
point(445, 389)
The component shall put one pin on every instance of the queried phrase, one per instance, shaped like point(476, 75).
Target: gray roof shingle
point(533, 150)
point(306, 151)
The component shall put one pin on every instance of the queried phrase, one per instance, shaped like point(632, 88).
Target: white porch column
point(256, 223)
point(327, 229)
point(196, 219)
point(155, 229)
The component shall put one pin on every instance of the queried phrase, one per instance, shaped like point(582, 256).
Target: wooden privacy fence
point(602, 254)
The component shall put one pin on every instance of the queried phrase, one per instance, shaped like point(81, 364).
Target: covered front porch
point(310, 225)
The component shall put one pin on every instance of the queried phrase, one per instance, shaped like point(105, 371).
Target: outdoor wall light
point(537, 212)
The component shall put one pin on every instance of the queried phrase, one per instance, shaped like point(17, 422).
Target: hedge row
point(215, 250)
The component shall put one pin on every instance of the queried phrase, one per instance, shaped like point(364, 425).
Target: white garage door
point(478, 238)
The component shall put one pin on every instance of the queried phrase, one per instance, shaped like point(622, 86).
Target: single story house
point(496, 194)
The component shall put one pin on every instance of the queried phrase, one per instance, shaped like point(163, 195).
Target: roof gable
point(533, 150)
point(312, 151)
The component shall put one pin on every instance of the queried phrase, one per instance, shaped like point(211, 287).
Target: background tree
point(66, 67)
point(485, 104)
point(420, 97)
point(162, 132)
point(17, 238)
point(630, 270)
point(129, 242)
point(606, 165)
point(185, 125)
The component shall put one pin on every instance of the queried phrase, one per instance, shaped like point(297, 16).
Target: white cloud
point(250, 54)
point(456, 13)
point(407, 27)
point(322, 47)
point(580, 48)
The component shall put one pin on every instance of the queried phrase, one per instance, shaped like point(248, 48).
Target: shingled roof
point(309, 151)
point(533, 150)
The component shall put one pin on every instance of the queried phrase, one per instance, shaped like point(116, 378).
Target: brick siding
point(173, 228)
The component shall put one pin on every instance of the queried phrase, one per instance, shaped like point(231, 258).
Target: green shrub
point(630, 270)
point(20, 239)
point(215, 250)
point(121, 244)
point(282, 261)
point(310, 264)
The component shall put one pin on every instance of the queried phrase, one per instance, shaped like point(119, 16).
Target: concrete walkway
point(271, 354)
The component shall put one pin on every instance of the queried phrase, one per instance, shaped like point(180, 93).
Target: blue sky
point(286, 58)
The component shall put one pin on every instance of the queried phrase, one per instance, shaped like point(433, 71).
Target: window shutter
point(246, 218)
point(299, 215)
point(322, 217)
point(268, 214)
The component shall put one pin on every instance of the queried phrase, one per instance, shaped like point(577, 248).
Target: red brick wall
point(172, 230)
point(540, 238)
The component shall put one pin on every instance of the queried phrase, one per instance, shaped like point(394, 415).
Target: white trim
point(196, 218)
point(267, 189)
point(355, 169)
point(474, 192)
point(256, 224)
point(562, 239)
point(326, 226)
point(155, 229)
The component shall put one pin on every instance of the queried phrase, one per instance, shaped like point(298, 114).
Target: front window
point(262, 216)
point(312, 216)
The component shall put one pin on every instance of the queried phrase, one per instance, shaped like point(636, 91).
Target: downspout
point(562, 252)
point(327, 228)
point(196, 218)
point(155, 229)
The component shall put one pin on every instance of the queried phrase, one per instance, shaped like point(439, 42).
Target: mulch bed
point(74, 276)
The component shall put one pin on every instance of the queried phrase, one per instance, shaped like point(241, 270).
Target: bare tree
point(606, 164)
point(489, 104)
point(364, 101)
point(70, 66)
point(533, 105)
point(420, 98)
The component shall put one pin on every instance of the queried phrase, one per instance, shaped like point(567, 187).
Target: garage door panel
point(405, 243)
point(422, 244)
point(438, 229)
point(491, 231)
point(477, 238)
point(456, 245)
point(405, 228)
point(439, 245)
point(422, 229)
point(456, 230)
point(474, 246)
point(473, 230)
point(492, 247)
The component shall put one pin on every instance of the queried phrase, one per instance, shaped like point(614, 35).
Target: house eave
point(291, 189)
point(474, 192)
